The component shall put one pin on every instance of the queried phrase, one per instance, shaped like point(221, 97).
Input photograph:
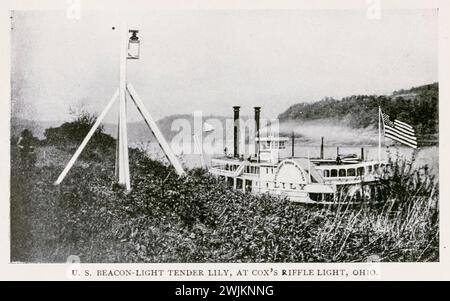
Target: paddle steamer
point(301, 179)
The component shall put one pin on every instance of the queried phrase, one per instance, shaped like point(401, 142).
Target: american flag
point(399, 131)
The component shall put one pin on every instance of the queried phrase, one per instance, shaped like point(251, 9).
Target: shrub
point(70, 133)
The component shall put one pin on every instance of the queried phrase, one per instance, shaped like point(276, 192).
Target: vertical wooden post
point(236, 139)
point(257, 129)
point(124, 168)
point(309, 169)
point(321, 150)
point(379, 134)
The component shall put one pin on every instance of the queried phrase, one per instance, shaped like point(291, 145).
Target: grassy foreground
point(198, 219)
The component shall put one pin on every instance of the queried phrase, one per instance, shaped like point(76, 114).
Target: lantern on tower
point(134, 45)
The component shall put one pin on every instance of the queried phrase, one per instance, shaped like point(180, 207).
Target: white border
point(387, 271)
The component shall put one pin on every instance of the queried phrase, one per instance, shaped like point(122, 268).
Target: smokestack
point(337, 151)
point(236, 132)
point(362, 153)
point(257, 127)
point(321, 149)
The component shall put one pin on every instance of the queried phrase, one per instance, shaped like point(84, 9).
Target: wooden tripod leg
point(86, 139)
point(155, 130)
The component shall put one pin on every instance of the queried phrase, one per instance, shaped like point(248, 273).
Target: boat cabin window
point(342, 172)
point(326, 173)
point(370, 168)
point(253, 169)
point(334, 173)
point(351, 172)
point(360, 171)
point(266, 145)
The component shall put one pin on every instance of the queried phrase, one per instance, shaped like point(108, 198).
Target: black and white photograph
point(224, 135)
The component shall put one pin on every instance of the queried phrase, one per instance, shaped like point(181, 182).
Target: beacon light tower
point(129, 49)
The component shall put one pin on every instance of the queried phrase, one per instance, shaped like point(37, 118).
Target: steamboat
point(301, 179)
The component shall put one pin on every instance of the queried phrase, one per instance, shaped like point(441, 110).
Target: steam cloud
point(332, 131)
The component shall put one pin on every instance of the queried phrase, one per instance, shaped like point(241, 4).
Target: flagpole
point(379, 134)
point(309, 168)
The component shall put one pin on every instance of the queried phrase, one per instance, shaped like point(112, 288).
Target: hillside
point(418, 106)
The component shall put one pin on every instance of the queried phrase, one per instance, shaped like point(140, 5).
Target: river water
point(191, 157)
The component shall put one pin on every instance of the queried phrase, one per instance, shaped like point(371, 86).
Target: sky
point(211, 60)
